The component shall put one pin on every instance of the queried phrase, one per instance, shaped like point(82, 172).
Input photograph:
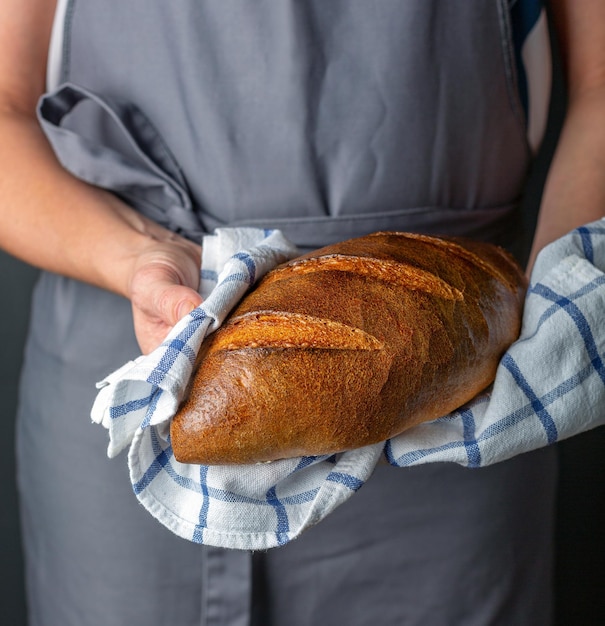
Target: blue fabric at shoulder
point(524, 16)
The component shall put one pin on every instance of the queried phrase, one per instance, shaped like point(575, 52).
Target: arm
point(54, 221)
point(574, 192)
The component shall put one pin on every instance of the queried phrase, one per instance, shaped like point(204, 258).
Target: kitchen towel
point(549, 386)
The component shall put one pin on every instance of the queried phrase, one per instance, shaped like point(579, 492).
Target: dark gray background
point(580, 577)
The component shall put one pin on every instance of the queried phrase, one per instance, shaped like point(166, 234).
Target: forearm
point(56, 222)
point(47, 217)
point(574, 192)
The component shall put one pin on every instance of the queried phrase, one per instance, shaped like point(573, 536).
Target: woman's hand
point(163, 285)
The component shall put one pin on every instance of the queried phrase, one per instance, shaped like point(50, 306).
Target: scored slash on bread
point(387, 271)
point(266, 329)
point(348, 346)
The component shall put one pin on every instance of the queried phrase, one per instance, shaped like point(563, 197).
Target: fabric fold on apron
point(127, 157)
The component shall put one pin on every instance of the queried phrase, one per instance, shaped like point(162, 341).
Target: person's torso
point(325, 119)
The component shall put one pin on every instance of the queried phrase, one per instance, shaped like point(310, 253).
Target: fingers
point(160, 308)
point(163, 289)
point(170, 303)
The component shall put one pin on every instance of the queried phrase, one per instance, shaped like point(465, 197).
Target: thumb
point(175, 302)
point(184, 307)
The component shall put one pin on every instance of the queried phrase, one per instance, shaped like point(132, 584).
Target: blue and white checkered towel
point(550, 385)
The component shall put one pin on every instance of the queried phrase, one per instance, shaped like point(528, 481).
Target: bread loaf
point(349, 346)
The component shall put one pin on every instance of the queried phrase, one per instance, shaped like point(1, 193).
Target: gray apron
point(328, 120)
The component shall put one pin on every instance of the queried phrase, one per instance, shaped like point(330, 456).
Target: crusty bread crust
point(351, 345)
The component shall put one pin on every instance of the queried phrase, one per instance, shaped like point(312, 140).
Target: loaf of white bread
point(348, 346)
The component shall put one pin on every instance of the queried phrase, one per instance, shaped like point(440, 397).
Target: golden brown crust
point(349, 346)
